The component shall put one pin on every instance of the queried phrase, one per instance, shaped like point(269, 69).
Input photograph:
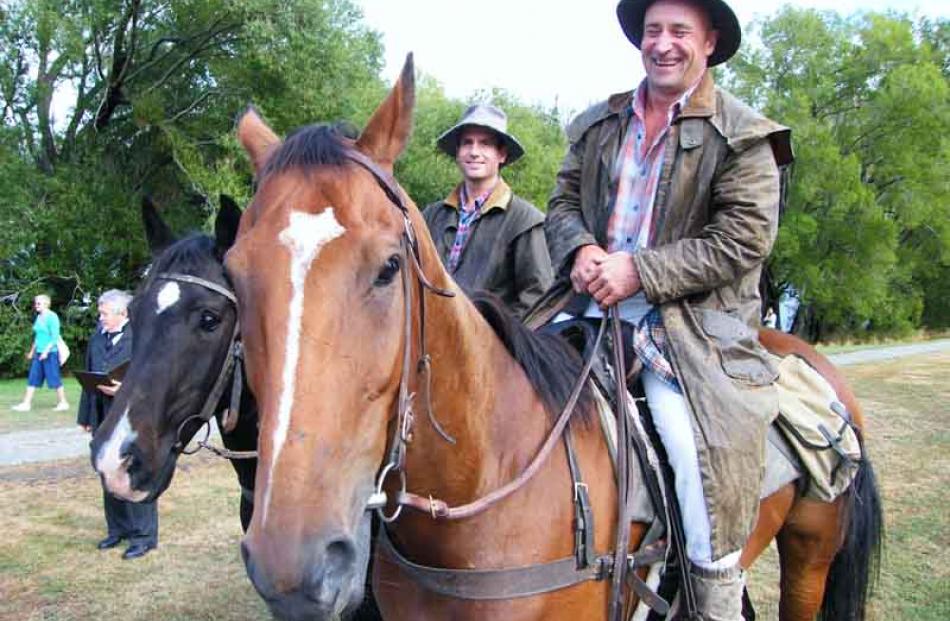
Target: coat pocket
point(741, 355)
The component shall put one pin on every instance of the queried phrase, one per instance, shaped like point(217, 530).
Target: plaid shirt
point(630, 226)
point(469, 213)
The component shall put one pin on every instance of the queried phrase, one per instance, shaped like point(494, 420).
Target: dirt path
point(48, 445)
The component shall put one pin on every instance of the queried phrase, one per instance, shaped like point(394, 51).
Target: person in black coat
point(109, 346)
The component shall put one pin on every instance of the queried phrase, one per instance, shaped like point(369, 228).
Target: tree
point(865, 239)
point(103, 101)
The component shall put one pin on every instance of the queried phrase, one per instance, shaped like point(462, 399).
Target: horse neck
point(480, 395)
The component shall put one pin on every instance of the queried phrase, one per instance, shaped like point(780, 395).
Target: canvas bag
point(63, 349)
point(823, 439)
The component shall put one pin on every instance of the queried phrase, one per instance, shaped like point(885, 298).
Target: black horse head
point(182, 334)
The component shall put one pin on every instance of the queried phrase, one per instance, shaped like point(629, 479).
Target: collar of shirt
point(638, 102)
point(498, 198)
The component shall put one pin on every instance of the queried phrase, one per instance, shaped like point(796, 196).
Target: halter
point(231, 363)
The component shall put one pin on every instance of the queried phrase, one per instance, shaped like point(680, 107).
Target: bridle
point(231, 365)
point(405, 416)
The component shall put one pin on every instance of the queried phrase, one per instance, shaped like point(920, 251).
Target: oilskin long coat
point(716, 217)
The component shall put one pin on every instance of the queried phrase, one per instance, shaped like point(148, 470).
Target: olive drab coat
point(506, 252)
point(716, 216)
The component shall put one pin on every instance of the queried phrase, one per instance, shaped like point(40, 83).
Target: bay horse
point(332, 265)
point(183, 317)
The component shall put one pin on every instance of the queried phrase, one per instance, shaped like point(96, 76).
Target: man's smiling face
point(677, 42)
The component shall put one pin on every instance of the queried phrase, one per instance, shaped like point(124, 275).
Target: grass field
point(52, 517)
point(41, 416)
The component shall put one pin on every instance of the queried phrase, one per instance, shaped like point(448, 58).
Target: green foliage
point(429, 175)
point(103, 102)
point(865, 236)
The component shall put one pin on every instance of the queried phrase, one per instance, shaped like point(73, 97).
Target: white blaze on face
point(168, 296)
point(111, 465)
point(304, 237)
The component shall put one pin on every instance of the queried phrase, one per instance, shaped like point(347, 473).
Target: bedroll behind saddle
point(818, 428)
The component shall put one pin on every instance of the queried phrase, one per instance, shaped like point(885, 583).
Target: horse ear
point(226, 224)
point(388, 130)
point(157, 233)
point(257, 138)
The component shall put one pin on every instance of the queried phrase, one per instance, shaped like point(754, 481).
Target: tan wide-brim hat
point(489, 117)
point(631, 14)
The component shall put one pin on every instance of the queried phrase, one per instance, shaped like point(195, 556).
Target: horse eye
point(388, 272)
point(209, 321)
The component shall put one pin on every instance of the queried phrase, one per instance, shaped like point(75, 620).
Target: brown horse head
point(316, 269)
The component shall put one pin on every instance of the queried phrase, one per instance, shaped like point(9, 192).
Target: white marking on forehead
point(304, 236)
point(111, 465)
point(169, 294)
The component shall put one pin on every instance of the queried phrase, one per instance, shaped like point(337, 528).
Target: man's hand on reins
point(616, 279)
point(585, 266)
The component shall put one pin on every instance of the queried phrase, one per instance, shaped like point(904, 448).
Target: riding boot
point(718, 592)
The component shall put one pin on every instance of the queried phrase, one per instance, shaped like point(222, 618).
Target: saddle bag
point(818, 428)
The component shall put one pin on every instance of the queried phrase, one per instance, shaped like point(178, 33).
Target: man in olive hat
point(667, 205)
point(489, 238)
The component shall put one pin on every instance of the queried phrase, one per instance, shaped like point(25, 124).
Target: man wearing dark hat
point(667, 206)
point(489, 238)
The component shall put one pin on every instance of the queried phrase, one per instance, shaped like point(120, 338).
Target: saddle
point(812, 440)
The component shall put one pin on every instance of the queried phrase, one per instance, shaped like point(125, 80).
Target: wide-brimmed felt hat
point(631, 14)
point(489, 117)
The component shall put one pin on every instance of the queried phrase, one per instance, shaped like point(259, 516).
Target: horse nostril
point(128, 459)
point(340, 557)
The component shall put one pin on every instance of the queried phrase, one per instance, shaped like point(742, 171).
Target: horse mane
point(551, 364)
point(309, 147)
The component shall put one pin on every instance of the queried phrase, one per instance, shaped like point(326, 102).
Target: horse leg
point(772, 513)
point(807, 544)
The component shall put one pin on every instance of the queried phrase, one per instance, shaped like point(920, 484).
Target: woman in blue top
point(44, 356)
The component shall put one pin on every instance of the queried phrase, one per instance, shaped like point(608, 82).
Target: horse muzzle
point(328, 582)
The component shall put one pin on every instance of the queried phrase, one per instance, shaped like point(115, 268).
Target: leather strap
point(489, 584)
point(441, 509)
point(583, 512)
point(514, 582)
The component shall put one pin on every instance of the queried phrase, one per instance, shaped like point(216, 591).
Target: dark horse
point(177, 357)
point(182, 335)
point(331, 266)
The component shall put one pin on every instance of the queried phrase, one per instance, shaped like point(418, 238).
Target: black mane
point(309, 147)
point(551, 364)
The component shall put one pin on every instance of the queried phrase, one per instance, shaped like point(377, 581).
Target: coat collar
point(498, 199)
point(702, 104)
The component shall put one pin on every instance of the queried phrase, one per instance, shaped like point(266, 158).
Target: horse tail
point(856, 567)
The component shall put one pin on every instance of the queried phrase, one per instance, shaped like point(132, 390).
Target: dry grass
point(52, 518)
point(907, 407)
point(51, 571)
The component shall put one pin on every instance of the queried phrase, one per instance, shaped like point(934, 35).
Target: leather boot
point(718, 592)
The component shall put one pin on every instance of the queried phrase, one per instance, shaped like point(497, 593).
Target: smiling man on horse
point(488, 237)
point(667, 206)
